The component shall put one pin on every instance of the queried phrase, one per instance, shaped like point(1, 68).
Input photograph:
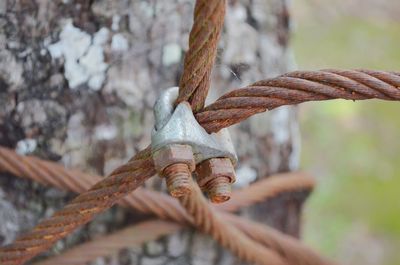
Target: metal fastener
point(179, 126)
point(179, 142)
point(215, 177)
point(176, 163)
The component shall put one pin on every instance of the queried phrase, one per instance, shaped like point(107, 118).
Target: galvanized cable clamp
point(178, 139)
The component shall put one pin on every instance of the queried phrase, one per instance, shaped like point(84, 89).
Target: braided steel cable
point(134, 235)
point(144, 200)
point(270, 188)
point(209, 222)
point(167, 207)
point(230, 109)
point(226, 111)
point(292, 88)
point(297, 87)
point(198, 62)
point(286, 246)
point(79, 211)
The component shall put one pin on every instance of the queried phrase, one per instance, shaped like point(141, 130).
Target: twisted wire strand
point(297, 87)
point(284, 245)
point(134, 235)
point(144, 200)
point(209, 222)
point(198, 62)
point(168, 208)
point(80, 210)
point(269, 187)
point(230, 109)
point(288, 248)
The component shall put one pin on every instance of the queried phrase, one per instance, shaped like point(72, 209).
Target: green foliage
point(348, 43)
point(353, 148)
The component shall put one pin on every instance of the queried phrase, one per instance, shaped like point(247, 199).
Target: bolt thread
point(177, 177)
point(219, 189)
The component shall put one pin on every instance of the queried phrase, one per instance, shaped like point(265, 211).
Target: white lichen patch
point(26, 146)
point(105, 132)
point(244, 176)
point(101, 37)
point(10, 70)
point(83, 56)
point(115, 22)
point(9, 225)
point(77, 140)
point(172, 53)
point(119, 43)
point(240, 38)
point(32, 112)
point(280, 125)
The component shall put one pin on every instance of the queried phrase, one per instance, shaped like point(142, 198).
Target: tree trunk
point(77, 83)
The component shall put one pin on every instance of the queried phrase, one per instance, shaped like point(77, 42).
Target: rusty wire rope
point(134, 235)
point(131, 175)
point(203, 39)
point(128, 177)
point(289, 89)
point(298, 87)
point(81, 210)
point(241, 104)
point(164, 206)
point(209, 222)
point(145, 200)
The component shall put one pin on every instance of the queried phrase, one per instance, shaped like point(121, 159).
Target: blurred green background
point(352, 148)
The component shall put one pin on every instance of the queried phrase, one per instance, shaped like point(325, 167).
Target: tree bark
point(77, 83)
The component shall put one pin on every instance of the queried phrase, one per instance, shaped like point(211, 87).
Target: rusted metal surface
point(80, 210)
point(229, 109)
point(298, 87)
point(270, 187)
point(282, 244)
point(131, 236)
point(176, 163)
point(289, 89)
point(177, 177)
point(215, 177)
point(174, 154)
point(167, 208)
point(144, 200)
point(209, 222)
point(199, 59)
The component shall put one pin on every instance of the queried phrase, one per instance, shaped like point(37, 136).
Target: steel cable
point(199, 59)
point(229, 109)
point(168, 208)
point(144, 200)
point(292, 88)
point(79, 211)
point(209, 222)
point(297, 87)
point(134, 235)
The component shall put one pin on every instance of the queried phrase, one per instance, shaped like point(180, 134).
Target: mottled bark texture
point(77, 83)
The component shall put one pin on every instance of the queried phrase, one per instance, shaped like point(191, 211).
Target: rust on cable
point(167, 208)
point(134, 235)
point(199, 59)
point(80, 210)
point(209, 222)
point(298, 87)
point(229, 109)
point(238, 236)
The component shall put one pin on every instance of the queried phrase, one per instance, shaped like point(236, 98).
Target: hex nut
point(173, 154)
point(214, 168)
